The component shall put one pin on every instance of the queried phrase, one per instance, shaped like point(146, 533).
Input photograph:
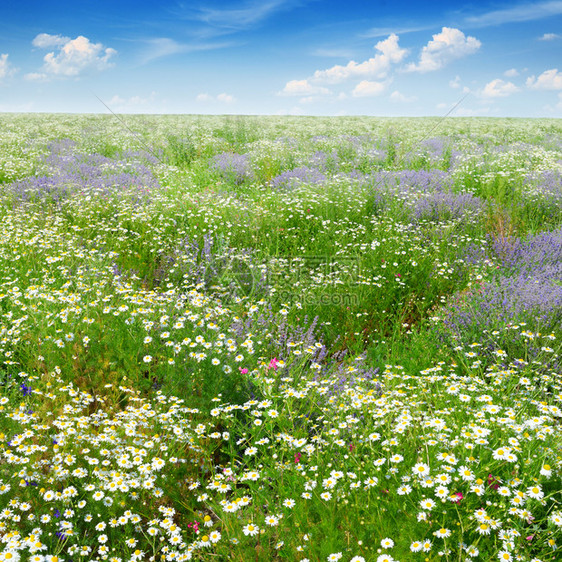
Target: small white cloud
point(134, 104)
point(302, 88)
point(74, 56)
point(225, 98)
point(498, 89)
point(445, 47)
point(441, 105)
point(399, 97)
point(35, 76)
point(549, 37)
point(511, 73)
point(465, 112)
point(44, 41)
point(6, 69)
point(375, 67)
point(367, 88)
point(115, 100)
point(548, 80)
point(308, 99)
point(456, 83)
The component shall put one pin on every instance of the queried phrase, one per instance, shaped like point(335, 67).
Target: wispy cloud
point(245, 15)
point(549, 37)
point(36, 76)
point(399, 30)
point(523, 12)
point(332, 53)
point(160, 47)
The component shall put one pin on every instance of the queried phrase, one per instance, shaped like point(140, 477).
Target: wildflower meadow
point(280, 338)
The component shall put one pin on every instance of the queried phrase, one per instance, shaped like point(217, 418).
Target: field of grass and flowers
point(259, 339)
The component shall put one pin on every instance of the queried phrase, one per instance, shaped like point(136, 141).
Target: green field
point(280, 338)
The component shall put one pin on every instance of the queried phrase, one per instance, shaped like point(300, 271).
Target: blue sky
point(309, 57)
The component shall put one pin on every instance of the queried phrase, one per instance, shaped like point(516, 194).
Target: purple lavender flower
point(288, 180)
point(233, 167)
point(440, 206)
point(67, 172)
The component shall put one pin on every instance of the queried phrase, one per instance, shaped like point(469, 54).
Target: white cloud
point(548, 80)
point(382, 31)
point(224, 98)
point(445, 47)
point(456, 83)
point(375, 67)
point(511, 73)
point(465, 112)
point(35, 76)
point(162, 47)
point(308, 99)
point(367, 88)
point(302, 88)
point(498, 89)
point(549, 37)
point(44, 41)
point(134, 104)
point(245, 16)
point(399, 97)
point(524, 12)
point(293, 111)
point(74, 55)
point(159, 47)
point(6, 69)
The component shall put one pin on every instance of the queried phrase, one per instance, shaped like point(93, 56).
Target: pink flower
point(243, 370)
point(459, 497)
point(273, 364)
point(492, 482)
point(297, 458)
